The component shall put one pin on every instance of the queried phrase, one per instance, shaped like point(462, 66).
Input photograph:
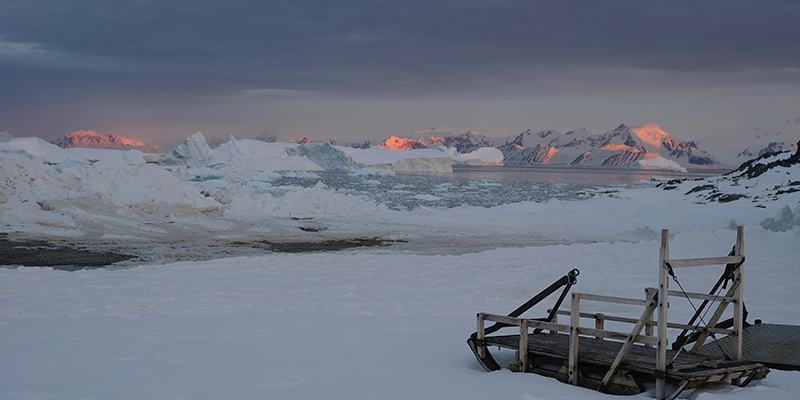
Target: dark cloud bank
point(52, 51)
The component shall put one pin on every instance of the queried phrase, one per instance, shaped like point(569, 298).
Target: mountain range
point(621, 147)
point(95, 140)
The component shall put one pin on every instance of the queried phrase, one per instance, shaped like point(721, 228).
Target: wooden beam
point(523, 345)
point(643, 339)
point(651, 323)
point(663, 302)
point(693, 295)
point(631, 339)
point(613, 299)
point(697, 262)
point(738, 307)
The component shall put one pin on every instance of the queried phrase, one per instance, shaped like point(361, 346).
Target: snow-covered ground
point(386, 322)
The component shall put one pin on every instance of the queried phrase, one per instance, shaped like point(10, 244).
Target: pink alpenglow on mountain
point(94, 140)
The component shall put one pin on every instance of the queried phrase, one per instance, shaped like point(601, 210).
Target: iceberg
point(659, 163)
point(33, 147)
point(339, 158)
point(483, 156)
point(193, 152)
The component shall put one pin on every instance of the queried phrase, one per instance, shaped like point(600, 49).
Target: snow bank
point(307, 326)
point(33, 147)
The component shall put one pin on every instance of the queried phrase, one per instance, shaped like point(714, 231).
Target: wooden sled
point(626, 362)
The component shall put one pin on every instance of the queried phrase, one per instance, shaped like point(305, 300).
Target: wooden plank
point(532, 323)
point(502, 319)
point(613, 299)
point(604, 334)
point(651, 323)
point(523, 345)
point(702, 296)
point(697, 262)
point(640, 359)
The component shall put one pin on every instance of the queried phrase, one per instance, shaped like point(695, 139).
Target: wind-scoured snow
point(387, 322)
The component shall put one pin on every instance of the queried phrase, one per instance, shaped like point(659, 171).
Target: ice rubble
point(49, 191)
point(194, 152)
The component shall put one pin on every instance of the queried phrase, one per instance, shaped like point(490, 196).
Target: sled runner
point(625, 362)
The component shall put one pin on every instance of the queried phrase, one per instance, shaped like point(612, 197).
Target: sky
point(159, 71)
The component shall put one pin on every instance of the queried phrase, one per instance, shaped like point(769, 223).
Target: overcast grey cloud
point(69, 63)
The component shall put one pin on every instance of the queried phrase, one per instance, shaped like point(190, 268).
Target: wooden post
point(738, 307)
point(555, 321)
point(574, 323)
point(523, 345)
point(663, 303)
point(599, 323)
point(648, 329)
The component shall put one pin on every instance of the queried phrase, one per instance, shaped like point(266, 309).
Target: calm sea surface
point(482, 186)
point(601, 177)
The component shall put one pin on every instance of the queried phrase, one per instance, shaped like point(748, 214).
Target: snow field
point(356, 324)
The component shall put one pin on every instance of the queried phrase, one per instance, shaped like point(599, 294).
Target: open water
point(487, 186)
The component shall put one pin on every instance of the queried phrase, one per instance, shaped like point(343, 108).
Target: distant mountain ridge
point(622, 147)
point(755, 138)
point(92, 139)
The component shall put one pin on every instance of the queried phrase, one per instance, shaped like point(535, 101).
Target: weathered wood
point(523, 345)
point(625, 358)
point(613, 299)
point(640, 359)
point(481, 336)
point(703, 296)
point(648, 328)
point(716, 316)
point(599, 323)
point(650, 323)
point(574, 339)
point(692, 295)
point(532, 323)
point(699, 262)
point(661, 330)
point(604, 334)
point(612, 370)
point(738, 307)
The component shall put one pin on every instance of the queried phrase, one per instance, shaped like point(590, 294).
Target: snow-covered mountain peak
point(651, 134)
point(92, 139)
